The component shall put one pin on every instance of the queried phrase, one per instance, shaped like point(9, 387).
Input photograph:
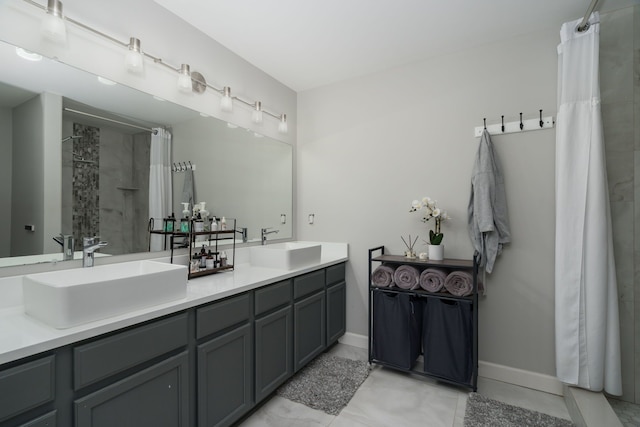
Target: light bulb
point(257, 113)
point(133, 59)
point(226, 103)
point(282, 126)
point(29, 56)
point(184, 78)
point(53, 26)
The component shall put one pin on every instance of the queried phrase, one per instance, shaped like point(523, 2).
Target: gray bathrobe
point(488, 219)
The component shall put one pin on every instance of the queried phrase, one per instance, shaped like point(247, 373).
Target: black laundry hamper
point(448, 339)
point(397, 328)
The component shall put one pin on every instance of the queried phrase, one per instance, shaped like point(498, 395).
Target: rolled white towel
point(432, 279)
point(459, 283)
point(407, 277)
point(382, 276)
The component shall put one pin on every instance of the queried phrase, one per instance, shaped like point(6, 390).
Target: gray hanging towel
point(189, 188)
point(488, 218)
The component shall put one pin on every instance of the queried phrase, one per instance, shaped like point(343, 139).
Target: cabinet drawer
point(26, 386)
point(221, 315)
point(308, 284)
point(105, 357)
point(273, 296)
point(335, 274)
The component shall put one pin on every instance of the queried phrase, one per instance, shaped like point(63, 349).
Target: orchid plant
point(431, 212)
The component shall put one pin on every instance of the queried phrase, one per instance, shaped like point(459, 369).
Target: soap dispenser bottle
point(184, 222)
point(223, 223)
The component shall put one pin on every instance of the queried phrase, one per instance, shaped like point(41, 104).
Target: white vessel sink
point(287, 255)
point(67, 298)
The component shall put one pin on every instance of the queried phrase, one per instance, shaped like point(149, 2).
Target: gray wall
point(232, 162)
point(35, 193)
point(368, 146)
point(5, 179)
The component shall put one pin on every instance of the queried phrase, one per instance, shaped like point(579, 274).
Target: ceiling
point(306, 44)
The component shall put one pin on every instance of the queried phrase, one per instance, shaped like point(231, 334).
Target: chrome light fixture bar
point(53, 26)
point(135, 63)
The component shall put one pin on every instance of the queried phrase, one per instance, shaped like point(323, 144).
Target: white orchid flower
point(416, 204)
point(435, 213)
point(425, 201)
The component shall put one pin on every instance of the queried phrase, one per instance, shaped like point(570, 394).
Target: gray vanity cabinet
point(274, 337)
point(309, 317)
point(336, 303)
point(205, 366)
point(225, 361)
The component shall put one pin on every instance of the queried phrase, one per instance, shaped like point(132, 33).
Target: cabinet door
point(336, 312)
point(274, 351)
point(309, 337)
point(26, 386)
point(157, 396)
point(225, 378)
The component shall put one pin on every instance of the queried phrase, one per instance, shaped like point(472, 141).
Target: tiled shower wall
point(620, 94)
point(118, 193)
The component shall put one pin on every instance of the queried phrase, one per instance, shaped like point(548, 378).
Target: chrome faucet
point(89, 246)
point(264, 232)
point(243, 232)
point(68, 245)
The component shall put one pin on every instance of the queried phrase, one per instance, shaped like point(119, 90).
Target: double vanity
point(164, 351)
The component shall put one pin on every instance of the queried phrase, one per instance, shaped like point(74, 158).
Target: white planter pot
point(436, 252)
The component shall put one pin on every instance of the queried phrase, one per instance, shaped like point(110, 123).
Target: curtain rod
point(584, 25)
point(155, 132)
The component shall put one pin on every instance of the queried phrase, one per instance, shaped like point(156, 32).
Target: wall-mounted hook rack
point(516, 126)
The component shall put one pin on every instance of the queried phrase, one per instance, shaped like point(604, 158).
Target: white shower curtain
point(587, 325)
point(160, 187)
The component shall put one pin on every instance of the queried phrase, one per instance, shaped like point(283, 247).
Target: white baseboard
point(520, 377)
point(506, 374)
point(355, 340)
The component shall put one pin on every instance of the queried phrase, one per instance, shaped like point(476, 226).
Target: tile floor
point(628, 413)
point(391, 398)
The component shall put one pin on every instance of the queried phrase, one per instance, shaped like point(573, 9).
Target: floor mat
point(482, 411)
point(328, 383)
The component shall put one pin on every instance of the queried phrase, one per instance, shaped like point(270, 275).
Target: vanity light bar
point(222, 91)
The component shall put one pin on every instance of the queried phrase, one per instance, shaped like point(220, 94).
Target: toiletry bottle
point(169, 223)
point(216, 262)
point(203, 258)
point(195, 263)
point(184, 225)
point(214, 224)
point(223, 259)
point(184, 222)
point(210, 264)
point(223, 223)
point(199, 224)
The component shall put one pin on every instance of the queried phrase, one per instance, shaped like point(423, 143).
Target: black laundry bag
point(397, 328)
point(448, 339)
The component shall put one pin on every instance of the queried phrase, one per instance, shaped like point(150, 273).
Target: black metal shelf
point(214, 236)
point(377, 255)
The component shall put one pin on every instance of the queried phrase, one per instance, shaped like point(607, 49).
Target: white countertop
point(22, 336)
